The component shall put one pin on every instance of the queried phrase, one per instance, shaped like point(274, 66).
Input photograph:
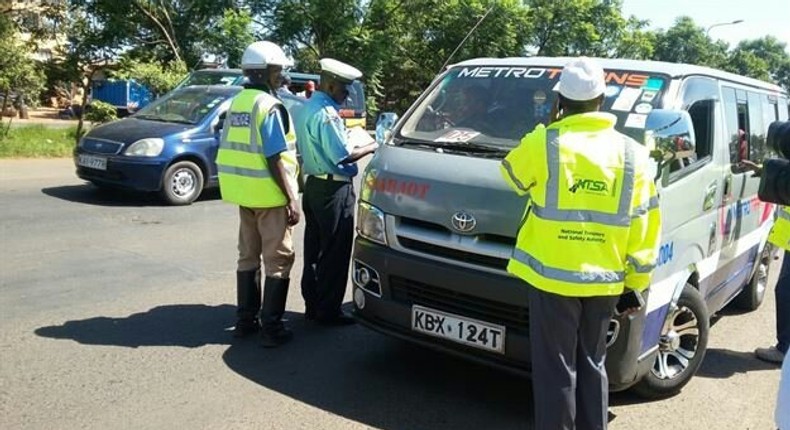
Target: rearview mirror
point(384, 125)
point(669, 134)
point(220, 122)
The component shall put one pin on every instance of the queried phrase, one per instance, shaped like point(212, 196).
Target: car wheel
point(681, 348)
point(754, 292)
point(182, 183)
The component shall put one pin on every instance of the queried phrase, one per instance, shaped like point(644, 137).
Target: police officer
point(329, 161)
point(257, 171)
point(591, 232)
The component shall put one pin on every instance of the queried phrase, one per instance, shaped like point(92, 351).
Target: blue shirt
point(273, 134)
point(321, 138)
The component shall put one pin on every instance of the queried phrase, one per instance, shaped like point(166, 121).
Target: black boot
point(275, 293)
point(248, 297)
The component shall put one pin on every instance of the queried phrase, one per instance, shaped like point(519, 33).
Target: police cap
point(340, 70)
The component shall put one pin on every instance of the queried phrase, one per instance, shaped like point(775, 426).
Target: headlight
point(370, 223)
point(145, 148)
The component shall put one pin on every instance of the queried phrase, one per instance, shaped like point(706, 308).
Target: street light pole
point(720, 24)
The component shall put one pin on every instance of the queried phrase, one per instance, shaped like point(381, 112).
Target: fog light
point(359, 298)
point(364, 276)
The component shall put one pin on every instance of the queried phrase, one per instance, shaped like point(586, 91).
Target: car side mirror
point(669, 134)
point(220, 122)
point(384, 125)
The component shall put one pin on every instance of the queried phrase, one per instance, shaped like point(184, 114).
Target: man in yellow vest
point(257, 169)
point(590, 234)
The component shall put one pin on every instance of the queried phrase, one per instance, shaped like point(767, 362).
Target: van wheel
point(754, 292)
point(182, 183)
point(681, 348)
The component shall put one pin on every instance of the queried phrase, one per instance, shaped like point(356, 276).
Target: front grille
point(417, 293)
point(453, 254)
point(101, 146)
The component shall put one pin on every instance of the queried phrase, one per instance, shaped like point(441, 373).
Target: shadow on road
point(384, 383)
point(188, 326)
point(723, 363)
point(92, 195)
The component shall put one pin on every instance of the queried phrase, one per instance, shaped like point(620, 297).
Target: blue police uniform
point(328, 203)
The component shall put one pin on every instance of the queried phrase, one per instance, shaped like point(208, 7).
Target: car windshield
point(213, 77)
point(497, 106)
point(189, 105)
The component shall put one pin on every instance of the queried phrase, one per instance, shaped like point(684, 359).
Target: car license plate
point(92, 162)
point(467, 331)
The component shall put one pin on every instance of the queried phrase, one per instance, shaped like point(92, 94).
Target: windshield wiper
point(473, 147)
point(160, 119)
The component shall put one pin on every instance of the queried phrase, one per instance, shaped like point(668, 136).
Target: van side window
point(757, 127)
point(699, 99)
point(784, 109)
point(735, 114)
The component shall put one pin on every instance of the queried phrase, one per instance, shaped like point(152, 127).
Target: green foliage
point(232, 35)
point(686, 42)
point(157, 77)
point(20, 77)
point(38, 141)
point(100, 112)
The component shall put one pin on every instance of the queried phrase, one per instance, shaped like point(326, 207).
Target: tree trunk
point(2, 112)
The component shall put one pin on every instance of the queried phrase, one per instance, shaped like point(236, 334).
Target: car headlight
point(150, 147)
point(370, 223)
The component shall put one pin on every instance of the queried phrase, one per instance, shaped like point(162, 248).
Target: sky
point(760, 17)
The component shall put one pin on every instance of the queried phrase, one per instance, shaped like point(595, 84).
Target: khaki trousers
point(265, 232)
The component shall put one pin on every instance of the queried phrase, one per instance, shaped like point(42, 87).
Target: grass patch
point(37, 141)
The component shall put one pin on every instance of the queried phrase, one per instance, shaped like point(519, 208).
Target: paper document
point(358, 136)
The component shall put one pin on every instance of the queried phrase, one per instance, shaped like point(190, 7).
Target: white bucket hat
point(582, 79)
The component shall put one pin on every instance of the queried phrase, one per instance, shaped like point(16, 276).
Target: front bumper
point(139, 174)
point(405, 280)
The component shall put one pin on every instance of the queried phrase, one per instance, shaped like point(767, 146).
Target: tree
point(20, 76)
point(765, 58)
point(157, 77)
point(90, 45)
point(232, 34)
point(685, 42)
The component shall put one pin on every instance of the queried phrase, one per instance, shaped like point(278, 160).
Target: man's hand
point(293, 212)
point(748, 165)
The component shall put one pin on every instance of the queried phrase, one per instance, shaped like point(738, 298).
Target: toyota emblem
point(464, 222)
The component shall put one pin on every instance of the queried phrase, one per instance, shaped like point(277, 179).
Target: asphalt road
point(114, 312)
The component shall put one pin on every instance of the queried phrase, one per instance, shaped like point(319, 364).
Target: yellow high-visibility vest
point(244, 176)
point(592, 224)
point(780, 233)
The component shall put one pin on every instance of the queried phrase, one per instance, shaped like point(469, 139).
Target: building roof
point(674, 70)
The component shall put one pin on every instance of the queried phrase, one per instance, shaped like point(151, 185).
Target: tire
point(754, 292)
point(182, 183)
point(684, 340)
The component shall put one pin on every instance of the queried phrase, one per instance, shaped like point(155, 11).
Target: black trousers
point(568, 337)
point(329, 233)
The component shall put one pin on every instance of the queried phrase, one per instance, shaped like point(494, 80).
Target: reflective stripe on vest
point(552, 211)
point(603, 277)
point(784, 214)
point(240, 171)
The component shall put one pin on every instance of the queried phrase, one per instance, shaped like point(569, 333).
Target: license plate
point(467, 331)
point(92, 162)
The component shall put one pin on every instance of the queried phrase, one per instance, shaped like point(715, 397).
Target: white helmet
point(260, 55)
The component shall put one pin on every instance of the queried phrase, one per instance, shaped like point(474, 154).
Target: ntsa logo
point(590, 186)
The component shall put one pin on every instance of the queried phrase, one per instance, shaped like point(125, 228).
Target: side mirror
point(384, 125)
point(220, 122)
point(670, 136)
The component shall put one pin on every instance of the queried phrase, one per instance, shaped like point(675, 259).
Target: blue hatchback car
point(168, 147)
